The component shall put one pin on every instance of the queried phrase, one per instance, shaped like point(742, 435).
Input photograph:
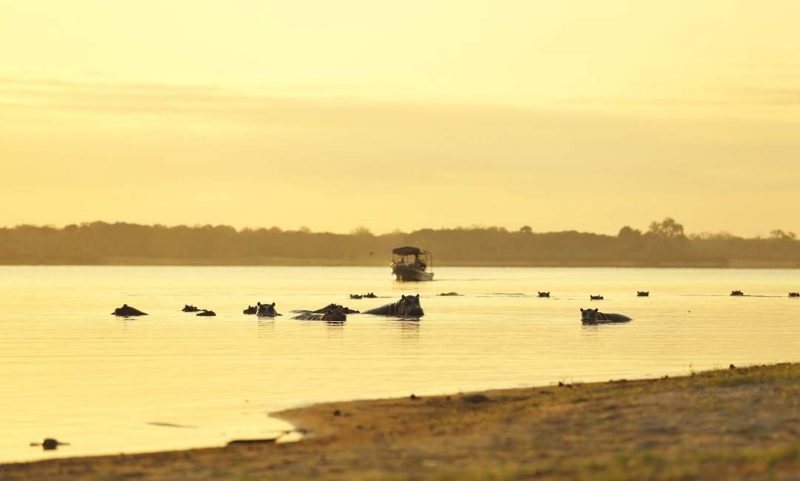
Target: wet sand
point(726, 424)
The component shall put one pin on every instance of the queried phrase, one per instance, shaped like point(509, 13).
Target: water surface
point(172, 380)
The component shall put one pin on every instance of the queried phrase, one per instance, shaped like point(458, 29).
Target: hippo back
point(339, 307)
point(127, 311)
point(332, 315)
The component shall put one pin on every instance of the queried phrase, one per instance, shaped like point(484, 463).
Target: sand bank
point(726, 424)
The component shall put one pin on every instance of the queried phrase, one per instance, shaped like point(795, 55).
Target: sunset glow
point(332, 115)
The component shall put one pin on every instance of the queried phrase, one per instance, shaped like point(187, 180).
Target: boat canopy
point(408, 251)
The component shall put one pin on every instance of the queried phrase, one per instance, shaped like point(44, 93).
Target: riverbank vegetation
point(663, 243)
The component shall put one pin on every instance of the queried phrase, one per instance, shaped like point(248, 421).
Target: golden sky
point(559, 114)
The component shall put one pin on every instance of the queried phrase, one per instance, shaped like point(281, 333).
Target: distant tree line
point(664, 243)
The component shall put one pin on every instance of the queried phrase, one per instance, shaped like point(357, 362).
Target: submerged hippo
point(190, 308)
point(643, 293)
point(737, 293)
point(594, 316)
point(595, 298)
point(325, 309)
point(544, 294)
point(250, 310)
point(127, 311)
point(266, 310)
point(206, 313)
point(794, 294)
point(333, 314)
point(369, 295)
point(50, 444)
point(407, 307)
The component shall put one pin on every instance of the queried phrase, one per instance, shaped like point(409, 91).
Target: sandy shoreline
point(726, 424)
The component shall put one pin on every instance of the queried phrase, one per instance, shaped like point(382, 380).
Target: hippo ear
point(596, 309)
point(417, 296)
point(583, 310)
point(402, 296)
point(273, 304)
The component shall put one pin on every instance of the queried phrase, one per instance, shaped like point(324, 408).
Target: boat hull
point(411, 274)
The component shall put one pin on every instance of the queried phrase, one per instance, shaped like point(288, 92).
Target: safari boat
point(412, 264)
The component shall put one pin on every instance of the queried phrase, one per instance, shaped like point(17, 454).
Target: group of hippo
point(594, 316)
point(408, 307)
point(200, 312)
point(738, 293)
point(593, 297)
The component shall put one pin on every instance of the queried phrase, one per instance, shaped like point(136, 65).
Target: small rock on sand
point(475, 399)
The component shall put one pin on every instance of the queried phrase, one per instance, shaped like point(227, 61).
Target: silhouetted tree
point(361, 231)
point(667, 229)
point(629, 232)
point(778, 234)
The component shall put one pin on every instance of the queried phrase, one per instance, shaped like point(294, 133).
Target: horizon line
point(363, 230)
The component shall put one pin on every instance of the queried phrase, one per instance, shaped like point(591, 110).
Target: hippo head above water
point(409, 306)
point(589, 315)
point(339, 307)
point(594, 316)
point(266, 310)
point(334, 314)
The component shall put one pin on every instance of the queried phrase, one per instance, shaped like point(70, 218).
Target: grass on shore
point(728, 424)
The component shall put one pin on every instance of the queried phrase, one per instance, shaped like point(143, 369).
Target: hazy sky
point(557, 114)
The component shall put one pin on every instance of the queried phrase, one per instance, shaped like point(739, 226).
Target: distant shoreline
point(700, 426)
point(664, 244)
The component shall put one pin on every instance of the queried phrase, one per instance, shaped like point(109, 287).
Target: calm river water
point(172, 380)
